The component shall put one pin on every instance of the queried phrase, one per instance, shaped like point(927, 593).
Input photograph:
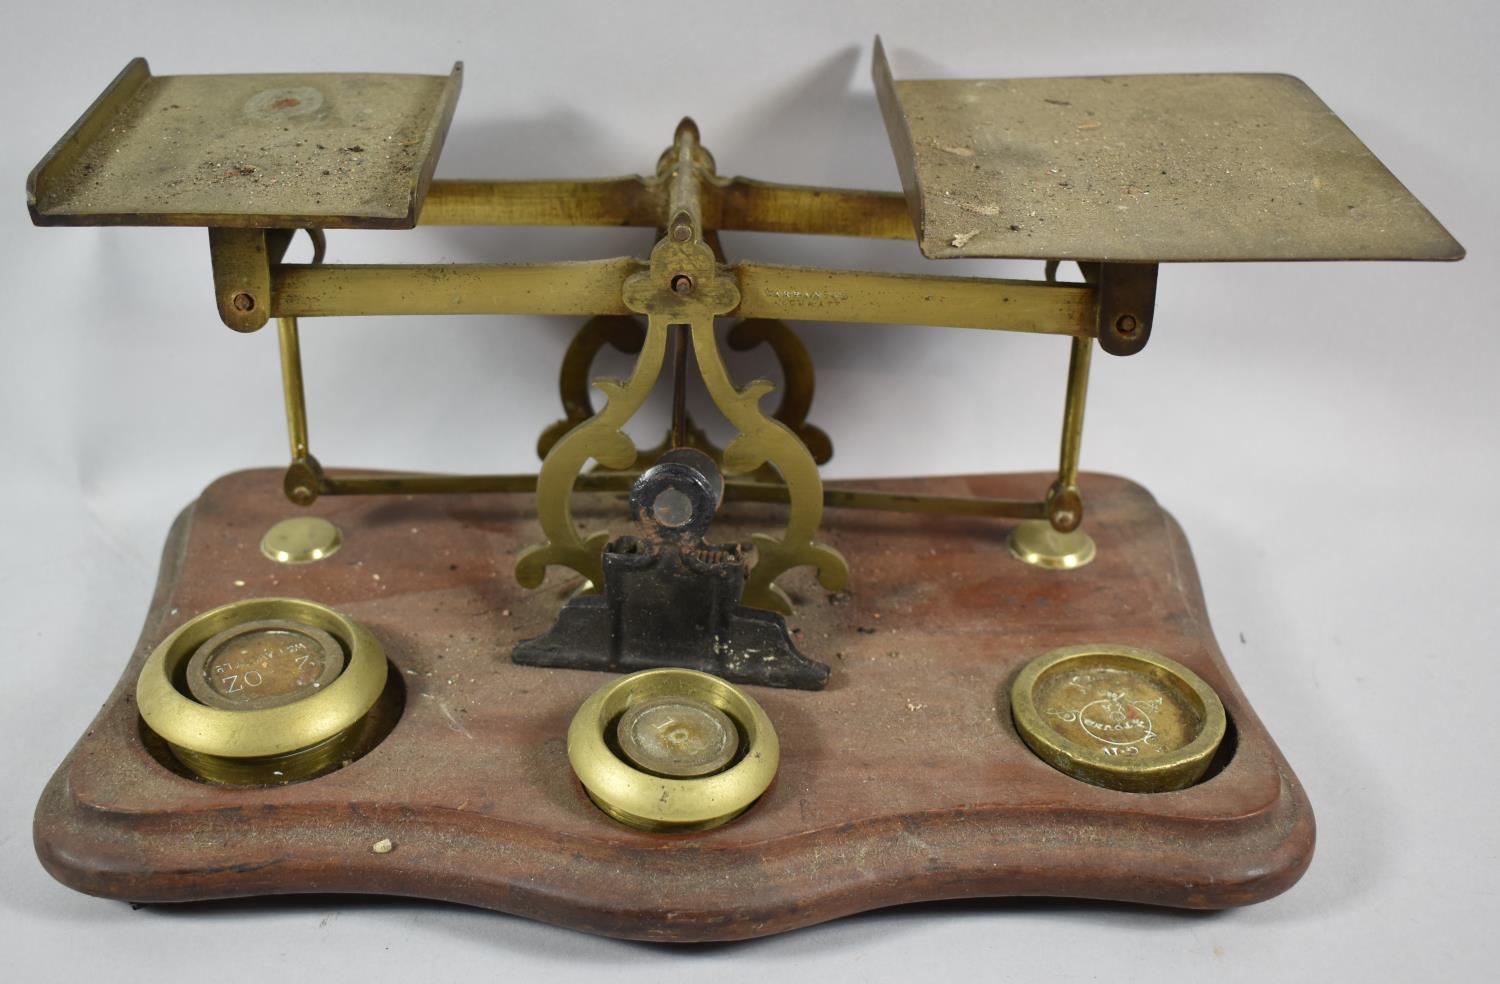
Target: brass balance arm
point(593, 287)
point(768, 291)
point(739, 204)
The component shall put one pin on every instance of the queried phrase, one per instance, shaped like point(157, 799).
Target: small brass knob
point(672, 750)
point(301, 539)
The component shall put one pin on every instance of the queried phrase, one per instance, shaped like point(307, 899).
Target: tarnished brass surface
point(242, 261)
point(1145, 168)
point(761, 206)
point(582, 287)
point(1126, 304)
point(1119, 717)
point(735, 204)
point(1067, 546)
point(802, 294)
point(764, 440)
point(294, 397)
point(1074, 403)
point(626, 201)
point(263, 664)
point(677, 737)
point(641, 799)
point(301, 540)
point(686, 283)
point(592, 287)
point(261, 744)
point(266, 151)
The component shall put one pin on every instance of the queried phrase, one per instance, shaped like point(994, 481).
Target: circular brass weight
point(263, 664)
point(1035, 542)
point(677, 737)
point(301, 540)
point(672, 750)
point(1118, 717)
point(299, 719)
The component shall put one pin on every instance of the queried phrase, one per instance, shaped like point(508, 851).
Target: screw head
point(243, 301)
point(1126, 325)
point(682, 284)
point(1064, 509)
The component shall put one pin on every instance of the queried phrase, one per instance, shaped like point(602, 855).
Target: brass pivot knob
point(672, 750)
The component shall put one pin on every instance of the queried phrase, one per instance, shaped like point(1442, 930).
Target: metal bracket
point(1127, 302)
point(242, 261)
point(672, 600)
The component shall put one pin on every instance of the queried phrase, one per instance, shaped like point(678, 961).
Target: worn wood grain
point(904, 781)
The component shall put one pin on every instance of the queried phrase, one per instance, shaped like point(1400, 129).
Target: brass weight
point(262, 691)
point(677, 737)
point(672, 750)
point(1119, 717)
point(263, 664)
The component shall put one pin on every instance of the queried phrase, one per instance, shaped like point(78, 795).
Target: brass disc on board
point(1119, 717)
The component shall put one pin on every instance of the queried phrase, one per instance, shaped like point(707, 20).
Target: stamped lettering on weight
point(1121, 724)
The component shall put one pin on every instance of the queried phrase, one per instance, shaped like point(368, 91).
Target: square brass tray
point(1145, 169)
point(334, 151)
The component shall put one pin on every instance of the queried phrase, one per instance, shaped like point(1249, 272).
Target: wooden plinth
point(903, 781)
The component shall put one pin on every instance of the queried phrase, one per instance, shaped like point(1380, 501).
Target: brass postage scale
point(691, 692)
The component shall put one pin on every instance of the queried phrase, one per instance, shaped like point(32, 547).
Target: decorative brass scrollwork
point(797, 378)
point(623, 334)
point(627, 335)
point(601, 438)
point(764, 440)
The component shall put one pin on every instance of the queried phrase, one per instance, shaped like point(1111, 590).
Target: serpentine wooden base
point(903, 781)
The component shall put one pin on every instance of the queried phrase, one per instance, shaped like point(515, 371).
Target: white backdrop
point(1325, 433)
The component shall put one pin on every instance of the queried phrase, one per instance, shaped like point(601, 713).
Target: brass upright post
point(684, 225)
point(1056, 542)
point(684, 195)
point(1072, 432)
point(680, 341)
point(291, 386)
